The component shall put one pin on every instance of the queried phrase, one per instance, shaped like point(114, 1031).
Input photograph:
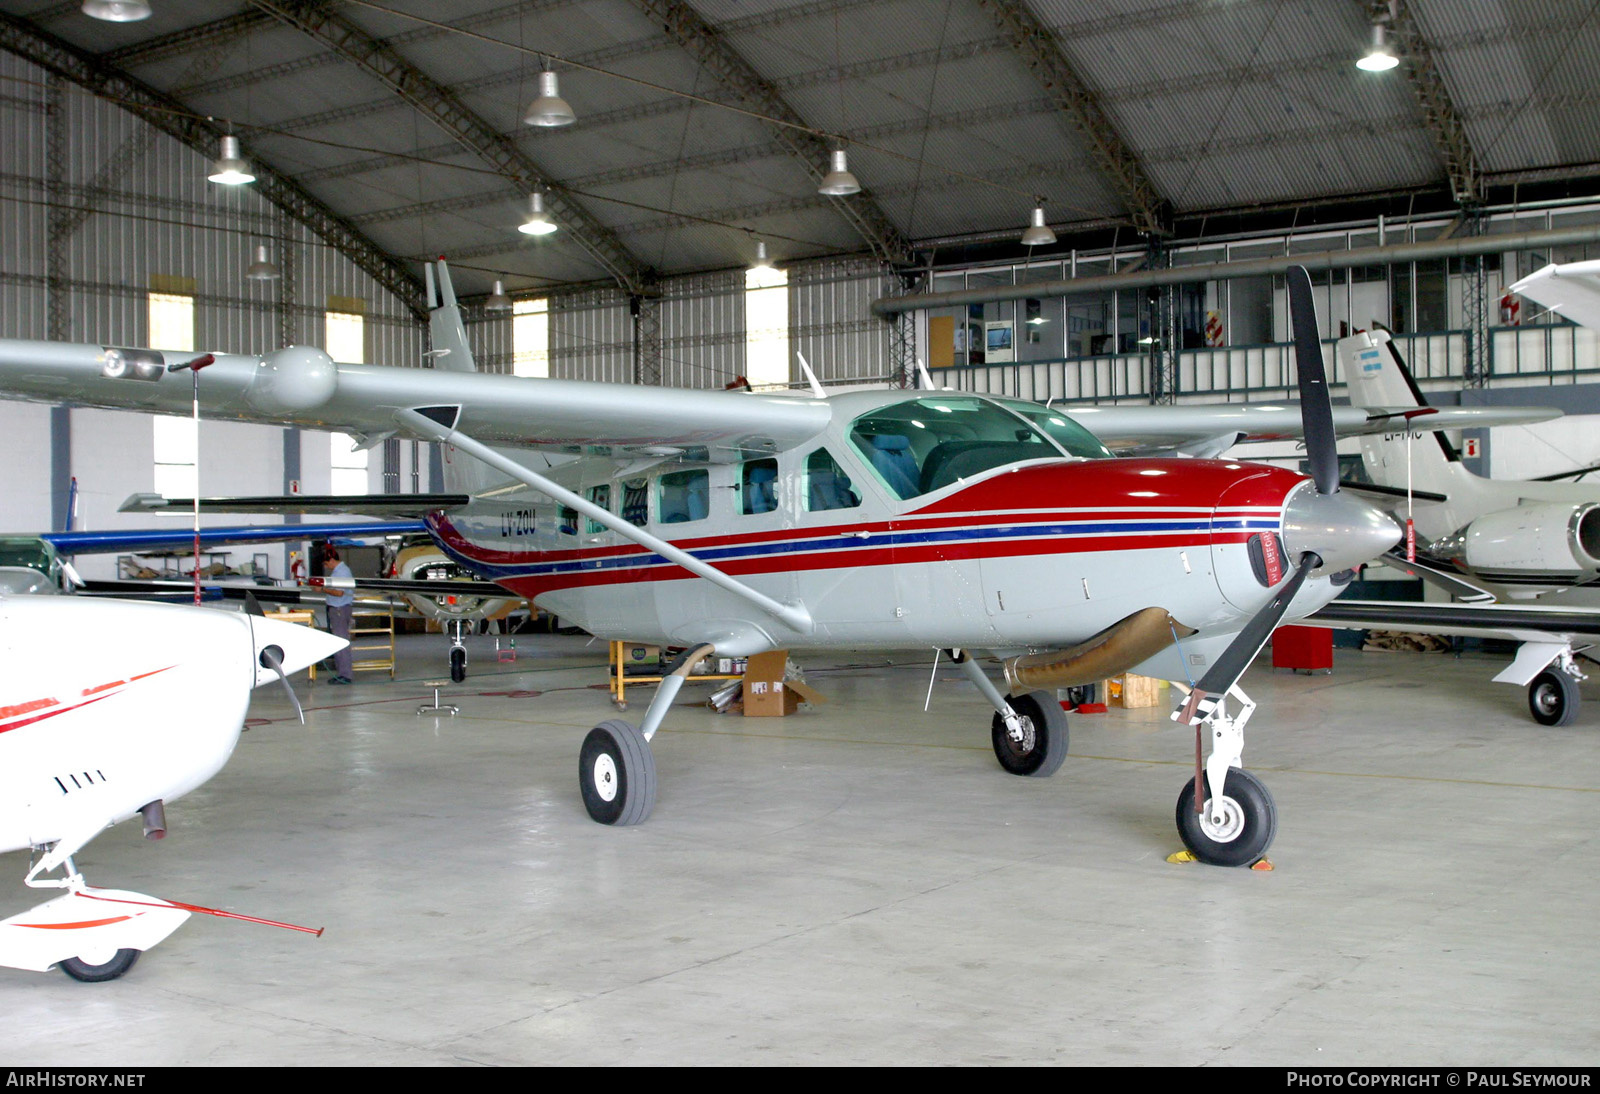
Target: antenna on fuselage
point(811, 377)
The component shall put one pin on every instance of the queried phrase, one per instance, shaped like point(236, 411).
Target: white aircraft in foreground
point(736, 523)
point(91, 739)
point(1531, 546)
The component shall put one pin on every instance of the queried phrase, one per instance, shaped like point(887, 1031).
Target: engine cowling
point(1531, 538)
point(428, 563)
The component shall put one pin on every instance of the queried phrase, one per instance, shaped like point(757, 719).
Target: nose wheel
point(1235, 830)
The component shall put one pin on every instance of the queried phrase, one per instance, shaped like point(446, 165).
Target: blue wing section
point(155, 539)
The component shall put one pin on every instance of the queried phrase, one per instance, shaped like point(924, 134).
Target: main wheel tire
point(1553, 698)
point(1043, 746)
point(617, 773)
point(458, 664)
point(79, 969)
point(1249, 821)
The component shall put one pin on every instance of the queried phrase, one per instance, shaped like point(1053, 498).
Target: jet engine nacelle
point(1551, 537)
point(292, 378)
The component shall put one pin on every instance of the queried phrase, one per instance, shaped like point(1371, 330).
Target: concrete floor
point(858, 884)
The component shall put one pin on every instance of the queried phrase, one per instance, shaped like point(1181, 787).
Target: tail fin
point(449, 335)
point(1378, 379)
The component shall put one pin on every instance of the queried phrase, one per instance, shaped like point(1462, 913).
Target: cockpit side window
point(601, 496)
point(758, 486)
point(925, 444)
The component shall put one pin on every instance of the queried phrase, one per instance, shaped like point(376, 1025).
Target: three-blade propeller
point(1316, 417)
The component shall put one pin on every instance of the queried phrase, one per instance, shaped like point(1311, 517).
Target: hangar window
point(921, 445)
point(345, 338)
point(530, 337)
point(766, 328)
point(827, 486)
point(177, 444)
point(758, 486)
point(683, 496)
point(601, 496)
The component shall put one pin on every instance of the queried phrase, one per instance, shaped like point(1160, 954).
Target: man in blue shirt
point(340, 608)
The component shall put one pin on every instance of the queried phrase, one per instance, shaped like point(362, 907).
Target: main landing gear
point(616, 769)
point(1236, 826)
point(1029, 732)
point(1553, 696)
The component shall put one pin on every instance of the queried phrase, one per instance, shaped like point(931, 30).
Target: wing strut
point(431, 422)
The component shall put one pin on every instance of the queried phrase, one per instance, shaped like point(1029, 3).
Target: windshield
point(1062, 429)
point(921, 445)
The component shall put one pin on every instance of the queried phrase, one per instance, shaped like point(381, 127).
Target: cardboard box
point(767, 694)
point(640, 658)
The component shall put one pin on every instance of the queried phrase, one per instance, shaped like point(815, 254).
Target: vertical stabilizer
point(449, 336)
point(1379, 379)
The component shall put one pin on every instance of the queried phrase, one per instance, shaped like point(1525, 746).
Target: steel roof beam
point(707, 45)
point(41, 48)
point(1039, 49)
point(1439, 111)
point(441, 106)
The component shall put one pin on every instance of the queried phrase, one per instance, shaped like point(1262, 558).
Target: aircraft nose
point(1341, 528)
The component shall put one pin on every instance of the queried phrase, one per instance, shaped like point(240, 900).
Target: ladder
point(372, 637)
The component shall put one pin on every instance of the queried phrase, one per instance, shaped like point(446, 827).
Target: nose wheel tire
point(1249, 820)
point(1553, 698)
point(458, 664)
point(79, 969)
point(1041, 746)
point(617, 773)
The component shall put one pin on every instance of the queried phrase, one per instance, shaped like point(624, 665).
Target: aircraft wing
point(302, 386)
point(371, 505)
point(181, 590)
point(1571, 289)
point(1212, 429)
point(154, 539)
point(1509, 621)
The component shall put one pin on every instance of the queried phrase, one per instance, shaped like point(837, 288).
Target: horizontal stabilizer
point(372, 505)
point(1391, 491)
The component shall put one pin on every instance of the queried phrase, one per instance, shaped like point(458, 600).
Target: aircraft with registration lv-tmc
point(736, 523)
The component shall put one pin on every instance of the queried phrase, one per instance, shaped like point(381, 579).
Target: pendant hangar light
point(498, 300)
point(117, 11)
point(549, 109)
point(1038, 233)
point(538, 222)
point(263, 268)
point(839, 182)
point(1379, 57)
point(230, 168)
point(762, 261)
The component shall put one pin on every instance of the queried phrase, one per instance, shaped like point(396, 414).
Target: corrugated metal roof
point(1222, 103)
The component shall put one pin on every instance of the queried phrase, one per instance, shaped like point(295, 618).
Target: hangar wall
point(96, 208)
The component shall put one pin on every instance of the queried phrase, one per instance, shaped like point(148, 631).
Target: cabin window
point(636, 501)
point(567, 521)
point(922, 445)
point(827, 486)
point(601, 496)
point(758, 486)
point(683, 496)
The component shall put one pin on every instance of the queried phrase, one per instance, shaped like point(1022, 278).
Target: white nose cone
point(298, 647)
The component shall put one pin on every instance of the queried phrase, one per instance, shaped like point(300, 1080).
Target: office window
point(177, 445)
point(530, 338)
point(766, 328)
